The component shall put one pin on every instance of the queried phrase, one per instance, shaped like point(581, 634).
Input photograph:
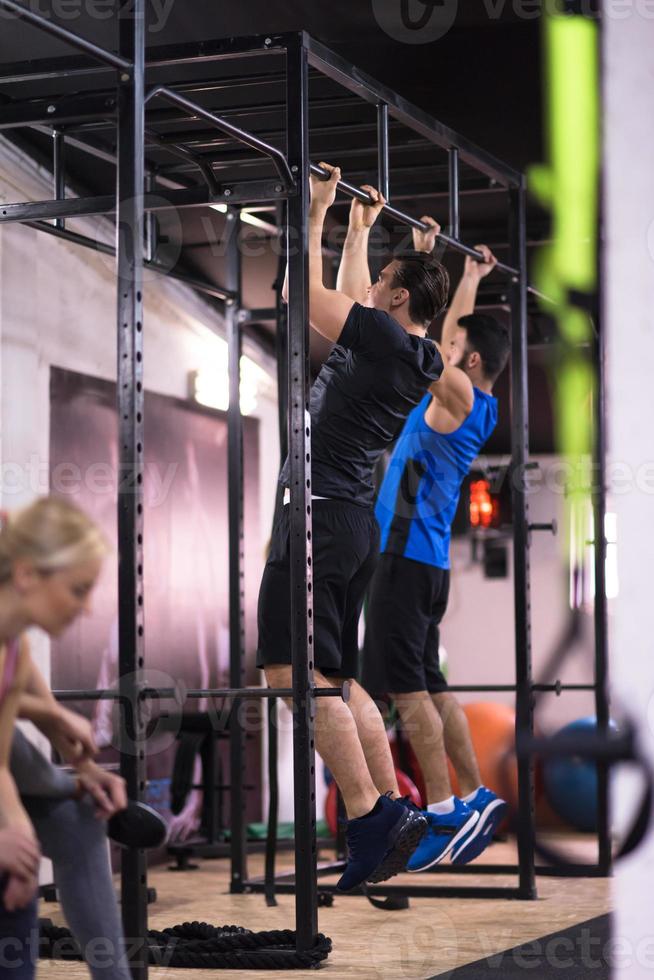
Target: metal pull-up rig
point(131, 88)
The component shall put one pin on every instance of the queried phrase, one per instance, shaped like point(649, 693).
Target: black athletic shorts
point(345, 541)
point(407, 602)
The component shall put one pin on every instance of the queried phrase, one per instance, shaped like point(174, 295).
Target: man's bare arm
point(453, 390)
point(354, 272)
point(465, 296)
point(70, 733)
point(328, 308)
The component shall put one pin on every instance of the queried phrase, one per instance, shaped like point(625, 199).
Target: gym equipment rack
point(164, 161)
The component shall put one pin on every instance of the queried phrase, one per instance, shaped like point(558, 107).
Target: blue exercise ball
point(571, 783)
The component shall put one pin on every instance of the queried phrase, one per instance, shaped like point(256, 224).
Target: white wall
point(629, 318)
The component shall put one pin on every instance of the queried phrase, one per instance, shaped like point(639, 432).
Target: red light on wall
point(484, 509)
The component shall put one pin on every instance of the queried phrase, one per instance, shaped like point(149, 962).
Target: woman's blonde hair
point(52, 533)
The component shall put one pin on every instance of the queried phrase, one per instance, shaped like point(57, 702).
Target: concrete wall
point(629, 320)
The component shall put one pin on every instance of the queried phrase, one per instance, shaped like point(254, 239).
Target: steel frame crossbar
point(181, 693)
point(125, 109)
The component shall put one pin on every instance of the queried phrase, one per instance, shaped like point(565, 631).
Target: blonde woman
point(50, 558)
point(19, 850)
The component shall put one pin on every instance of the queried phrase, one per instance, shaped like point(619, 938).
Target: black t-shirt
point(373, 378)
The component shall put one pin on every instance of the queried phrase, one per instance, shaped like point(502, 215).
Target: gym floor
point(430, 939)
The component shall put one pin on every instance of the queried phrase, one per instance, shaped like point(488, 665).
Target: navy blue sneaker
point(379, 845)
point(492, 811)
point(445, 832)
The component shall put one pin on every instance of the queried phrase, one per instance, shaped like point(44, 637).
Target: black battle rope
point(198, 945)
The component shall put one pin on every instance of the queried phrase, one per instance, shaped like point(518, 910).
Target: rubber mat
point(576, 953)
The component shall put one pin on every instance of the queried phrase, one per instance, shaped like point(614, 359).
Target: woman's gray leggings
point(76, 842)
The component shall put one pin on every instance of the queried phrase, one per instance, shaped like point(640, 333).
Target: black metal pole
point(299, 442)
point(281, 334)
point(383, 168)
point(59, 172)
point(453, 189)
point(130, 396)
point(521, 577)
point(281, 351)
point(249, 192)
point(600, 607)
point(240, 135)
point(235, 693)
point(235, 506)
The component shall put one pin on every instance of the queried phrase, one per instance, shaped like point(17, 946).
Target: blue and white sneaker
point(492, 811)
point(445, 831)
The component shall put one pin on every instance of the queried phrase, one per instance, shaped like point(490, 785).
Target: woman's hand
point(20, 855)
point(71, 735)
point(107, 790)
point(19, 892)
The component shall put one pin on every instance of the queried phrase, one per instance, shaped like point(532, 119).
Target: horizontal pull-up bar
point(406, 219)
point(242, 693)
point(108, 57)
point(241, 135)
point(180, 694)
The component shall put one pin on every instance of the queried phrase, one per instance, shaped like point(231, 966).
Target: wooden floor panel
point(431, 937)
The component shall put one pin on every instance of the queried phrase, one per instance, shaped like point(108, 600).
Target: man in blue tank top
point(415, 508)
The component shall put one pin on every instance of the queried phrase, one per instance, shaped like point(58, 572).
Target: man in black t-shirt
point(379, 369)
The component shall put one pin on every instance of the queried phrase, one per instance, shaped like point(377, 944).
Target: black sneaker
point(380, 845)
point(138, 825)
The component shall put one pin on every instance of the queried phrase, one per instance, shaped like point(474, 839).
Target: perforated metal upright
point(299, 443)
point(130, 394)
point(238, 824)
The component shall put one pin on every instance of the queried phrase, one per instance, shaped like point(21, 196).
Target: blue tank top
point(420, 491)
